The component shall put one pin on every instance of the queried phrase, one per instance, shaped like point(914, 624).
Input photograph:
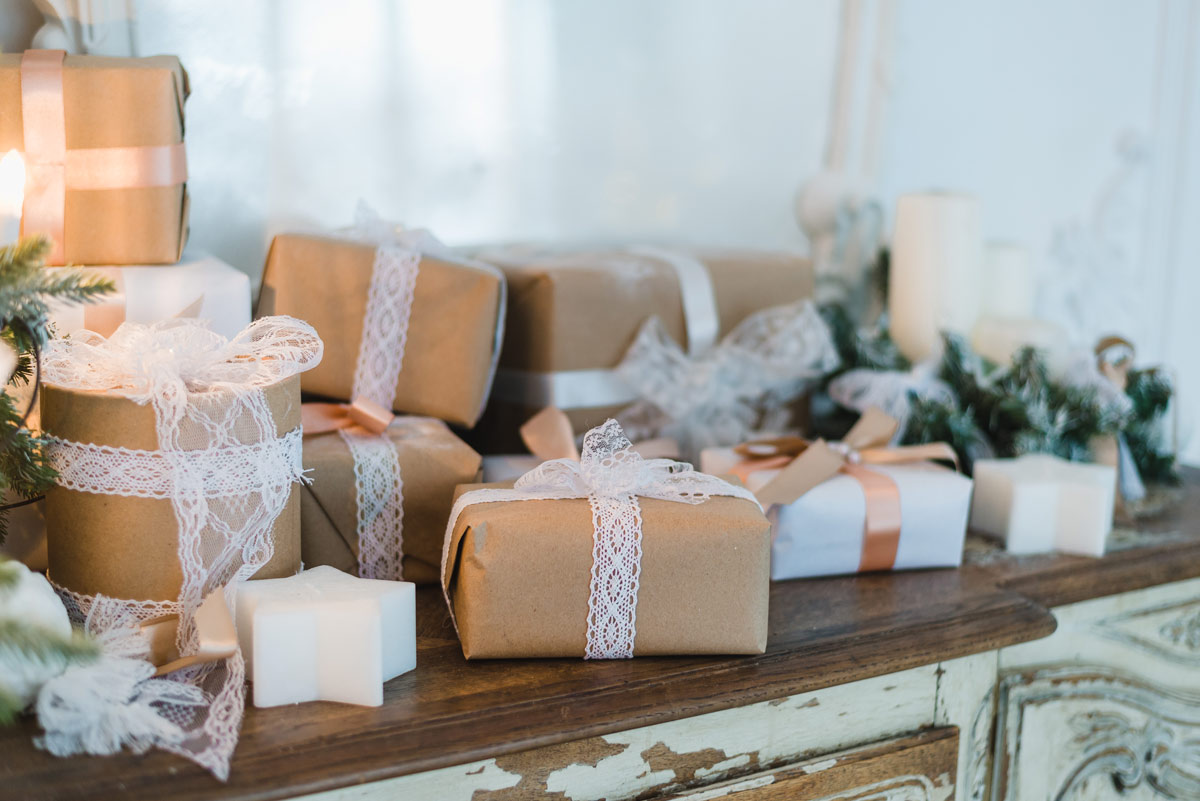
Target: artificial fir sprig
point(26, 289)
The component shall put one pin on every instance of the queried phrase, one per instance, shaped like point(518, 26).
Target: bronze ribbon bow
point(51, 169)
point(321, 418)
point(808, 463)
point(549, 435)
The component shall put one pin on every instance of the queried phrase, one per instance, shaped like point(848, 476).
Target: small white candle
point(999, 338)
point(1008, 287)
point(12, 196)
point(323, 635)
point(1040, 503)
point(936, 265)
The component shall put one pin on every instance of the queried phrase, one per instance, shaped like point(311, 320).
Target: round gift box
point(127, 547)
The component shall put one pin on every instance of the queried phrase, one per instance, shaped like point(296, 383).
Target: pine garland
point(1006, 411)
point(26, 290)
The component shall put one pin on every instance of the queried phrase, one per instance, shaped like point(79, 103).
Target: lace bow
point(715, 398)
point(612, 477)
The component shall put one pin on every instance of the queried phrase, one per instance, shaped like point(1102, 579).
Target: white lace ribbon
point(713, 398)
point(226, 472)
point(379, 496)
point(612, 476)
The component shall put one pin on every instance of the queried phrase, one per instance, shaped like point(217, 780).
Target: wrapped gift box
point(821, 533)
point(432, 463)
point(117, 194)
point(200, 286)
point(517, 577)
point(126, 546)
point(573, 314)
point(453, 329)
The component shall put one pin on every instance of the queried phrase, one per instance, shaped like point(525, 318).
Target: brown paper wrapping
point(432, 463)
point(127, 547)
point(519, 574)
point(572, 313)
point(113, 102)
point(451, 331)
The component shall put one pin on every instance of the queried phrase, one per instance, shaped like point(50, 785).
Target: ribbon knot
point(710, 398)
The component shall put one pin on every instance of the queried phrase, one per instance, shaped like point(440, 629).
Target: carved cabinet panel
point(1108, 707)
point(1079, 734)
point(920, 767)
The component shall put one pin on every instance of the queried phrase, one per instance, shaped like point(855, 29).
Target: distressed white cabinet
point(1108, 707)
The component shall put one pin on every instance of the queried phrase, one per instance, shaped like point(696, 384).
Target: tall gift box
point(574, 314)
point(405, 322)
point(104, 155)
point(338, 517)
point(178, 457)
point(609, 557)
point(854, 506)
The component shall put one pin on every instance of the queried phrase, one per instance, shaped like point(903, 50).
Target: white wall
point(1075, 122)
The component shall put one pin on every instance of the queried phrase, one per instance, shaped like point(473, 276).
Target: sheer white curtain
point(498, 119)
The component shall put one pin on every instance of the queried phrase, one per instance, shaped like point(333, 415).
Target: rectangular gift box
point(200, 286)
point(821, 533)
point(432, 463)
point(518, 576)
point(127, 547)
point(124, 171)
point(572, 315)
point(453, 330)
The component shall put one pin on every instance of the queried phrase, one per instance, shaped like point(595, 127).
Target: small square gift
point(104, 156)
point(607, 557)
point(200, 286)
point(856, 505)
point(380, 493)
point(691, 340)
point(407, 324)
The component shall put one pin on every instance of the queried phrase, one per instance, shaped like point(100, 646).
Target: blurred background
point(769, 123)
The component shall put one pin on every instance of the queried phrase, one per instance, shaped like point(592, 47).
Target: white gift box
point(821, 533)
point(199, 286)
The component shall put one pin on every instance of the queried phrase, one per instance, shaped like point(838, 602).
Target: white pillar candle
point(999, 338)
point(323, 635)
point(1040, 503)
point(12, 196)
point(936, 262)
point(1007, 281)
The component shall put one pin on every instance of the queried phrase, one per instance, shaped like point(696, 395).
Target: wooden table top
point(449, 711)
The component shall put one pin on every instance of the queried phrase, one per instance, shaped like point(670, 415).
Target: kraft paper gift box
point(518, 575)
point(103, 144)
point(824, 531)
point(433, 461)
point(573, 314)
point(452, 335)
point(127, 547)
point(200, 286)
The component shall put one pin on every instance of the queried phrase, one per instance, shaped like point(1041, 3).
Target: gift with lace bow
point(718, 396)
point(406, 322)
point(835, 507)
point(607, 557)
point(575, 311)
point(178, 458)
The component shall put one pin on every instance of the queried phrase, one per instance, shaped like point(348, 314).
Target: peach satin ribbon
point(51, 169)
point(321, 418)
point(806, 464)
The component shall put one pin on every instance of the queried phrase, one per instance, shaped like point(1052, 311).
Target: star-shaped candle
point(1039, 502)
point(323, 635)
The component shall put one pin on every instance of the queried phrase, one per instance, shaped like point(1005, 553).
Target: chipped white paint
point(730, 789)
point(770, 732)
point(964, 699)
point(458, 783)
point(817, 767)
